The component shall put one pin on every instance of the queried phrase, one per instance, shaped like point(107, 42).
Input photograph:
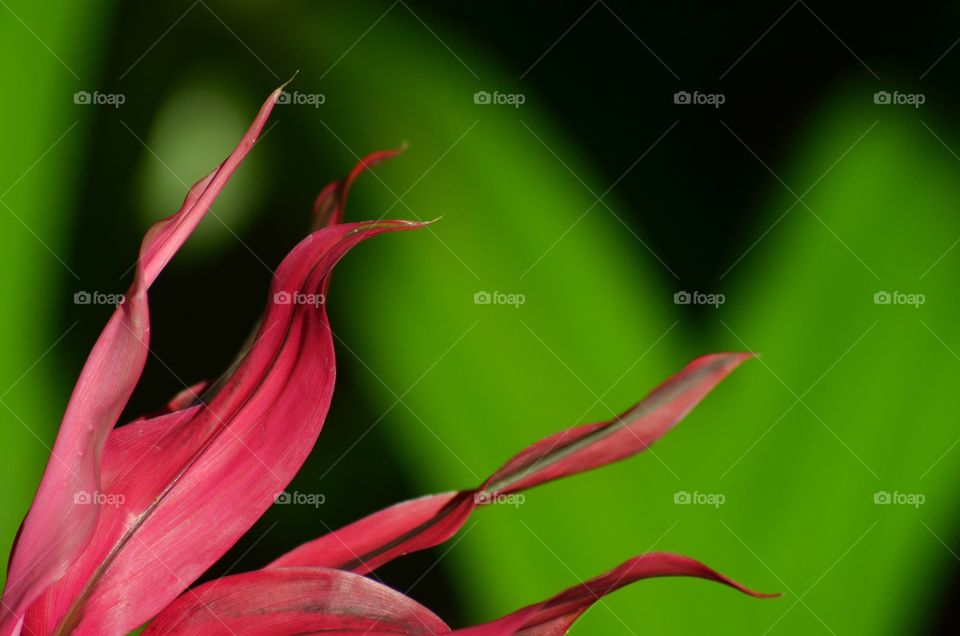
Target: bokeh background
point(800, 198)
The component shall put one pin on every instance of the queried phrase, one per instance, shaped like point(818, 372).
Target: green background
point(798, 207)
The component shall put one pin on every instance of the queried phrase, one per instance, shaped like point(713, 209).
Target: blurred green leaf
point(849, 398)
point(50, 48)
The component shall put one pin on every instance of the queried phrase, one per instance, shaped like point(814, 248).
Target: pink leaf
point(187, 397)
point(314, 600)
point(331, 204)
point(184, 487)
point(367, 544)
point(415, 525)
point(56, 530)
point(586, 447)
point(295, 601)
point(555, 616)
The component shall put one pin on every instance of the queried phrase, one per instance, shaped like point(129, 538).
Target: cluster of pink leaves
point(188, 483)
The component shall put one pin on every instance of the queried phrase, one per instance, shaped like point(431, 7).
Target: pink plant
point(125, 518)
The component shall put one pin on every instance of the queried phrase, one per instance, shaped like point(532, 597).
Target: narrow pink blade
point(182, 488)
point(295, 601)
point(422, 523)
point(313, 600)
point(555, 616)
point(187, 397)
point(331, 204)
point(365, 545)
point(586, 447)
point(56, 530)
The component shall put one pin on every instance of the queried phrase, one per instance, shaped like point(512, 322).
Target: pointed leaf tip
point(423, 523)
point(329, 208)
point(556, 615)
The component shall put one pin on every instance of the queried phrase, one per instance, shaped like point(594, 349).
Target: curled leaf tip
point(292, 77)
point(557, 614)
point(330, 205)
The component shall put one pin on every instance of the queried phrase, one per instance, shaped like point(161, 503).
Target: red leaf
point(555, 616)
point(56, 530)
point(367, 544)
point(313, 600)
point(586, 447)
point(422, 523)
point(187, 485)
point(331, 204)
point(187, 397)
point(295, 601)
